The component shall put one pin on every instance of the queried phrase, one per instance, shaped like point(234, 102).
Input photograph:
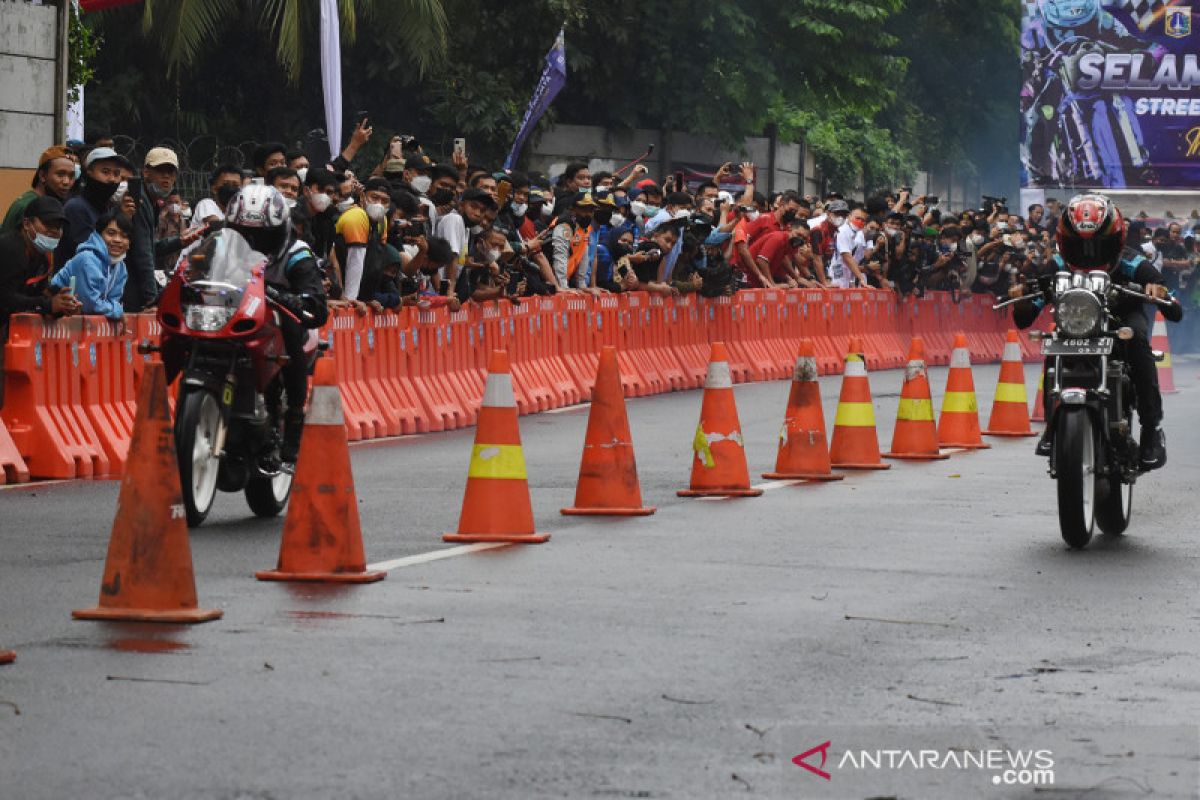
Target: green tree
point(187, 28)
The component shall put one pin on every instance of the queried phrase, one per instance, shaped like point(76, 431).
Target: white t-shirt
point(452, 228)
point(206, 209)
point(849, 240)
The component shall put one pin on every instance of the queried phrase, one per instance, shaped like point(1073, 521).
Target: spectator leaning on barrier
point(102, 176)
point(158, 179)
point(56, 173)
point(97, 270)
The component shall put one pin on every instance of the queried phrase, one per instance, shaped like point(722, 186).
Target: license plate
point(1077, 347)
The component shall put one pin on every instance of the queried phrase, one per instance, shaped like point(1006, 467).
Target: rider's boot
point(293, 427)
point(1154, 448)
point(270, 463)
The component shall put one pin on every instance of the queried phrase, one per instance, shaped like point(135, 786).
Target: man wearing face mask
point(787, 211)
point(26, 264)
point(824, 235)
point(103, 173)
point(852, 248)
point(56, 173)
point(223, 184)
point(358, 228)
point(314, 214)
point(158, 179)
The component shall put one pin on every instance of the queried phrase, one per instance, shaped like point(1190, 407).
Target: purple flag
point(554, 77)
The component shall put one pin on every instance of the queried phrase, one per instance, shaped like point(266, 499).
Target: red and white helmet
point(260, 214)
point(1091, 232)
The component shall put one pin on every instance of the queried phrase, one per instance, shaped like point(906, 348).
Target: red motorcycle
point(221, 331)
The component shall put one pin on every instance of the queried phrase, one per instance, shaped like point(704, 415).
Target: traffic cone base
point(718, 450)
point(322, 536)
point(608, 482)
point(148, 573)
point(608, 512)
point(719, 492)
point(7, 656)
point(917, 456)
point(148, 614)
point(496, 504)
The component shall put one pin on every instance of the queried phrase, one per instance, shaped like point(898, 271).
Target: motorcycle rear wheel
point(267, 497)
point(1114, 506)
point(1075, 466)
point(197, 427)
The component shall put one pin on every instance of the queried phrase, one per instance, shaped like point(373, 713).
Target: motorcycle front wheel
point(1114, 506)
point(197, 429)
point(267, 497)
point(1075, 467)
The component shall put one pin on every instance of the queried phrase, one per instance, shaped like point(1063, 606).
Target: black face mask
point(441, 197)
point(619, 251)
point(603, 217)
point(225, 193)
point(99, 193)
point(796, 241)
point(788, 216)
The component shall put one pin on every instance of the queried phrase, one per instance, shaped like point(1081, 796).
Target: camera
point(408, 285)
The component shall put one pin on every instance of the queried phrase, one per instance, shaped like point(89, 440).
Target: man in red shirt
point(782, 255)
point(787, 210)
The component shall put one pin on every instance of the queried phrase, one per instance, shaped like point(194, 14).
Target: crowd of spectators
point(97, 235)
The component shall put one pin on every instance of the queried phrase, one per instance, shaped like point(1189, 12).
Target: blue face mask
point(44, 243)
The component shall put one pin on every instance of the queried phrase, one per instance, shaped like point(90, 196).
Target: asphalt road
point(690, 654)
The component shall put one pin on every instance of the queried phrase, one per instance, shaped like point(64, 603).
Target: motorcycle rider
point(1091, 235)
point(293, 280)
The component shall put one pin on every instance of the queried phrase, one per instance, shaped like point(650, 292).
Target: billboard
point(1110, 94)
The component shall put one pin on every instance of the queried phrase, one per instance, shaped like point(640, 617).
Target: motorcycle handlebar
point(1140, 295)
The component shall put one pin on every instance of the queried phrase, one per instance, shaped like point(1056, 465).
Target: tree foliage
point(877, 88)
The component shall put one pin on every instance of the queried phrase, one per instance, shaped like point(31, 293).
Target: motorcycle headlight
point(207, 318)
point(1078, 314)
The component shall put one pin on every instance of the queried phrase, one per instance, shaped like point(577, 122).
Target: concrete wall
point(29, 95)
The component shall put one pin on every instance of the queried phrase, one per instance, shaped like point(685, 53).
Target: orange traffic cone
point(855, 441)
point(7, 657)
point(608, 480)
point(496, 505)
point(148, 574)
point(803, 448)
point(1039, 403)
point(719, 464)
point(959, 424)
point(915, 437)
point(1159, 341)
point(1010, 410)
point(322, 537)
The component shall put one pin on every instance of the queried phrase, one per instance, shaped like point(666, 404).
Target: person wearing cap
point(54, 177)
point(569, 243)
point(824, 235)
point(360, 228)
point(103, 171)
point(26, 263)
point(159, 172)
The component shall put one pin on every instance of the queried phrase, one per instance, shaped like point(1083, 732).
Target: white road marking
point(34, 484)
point(436, 555)
point(565, 409)
point(766, 487)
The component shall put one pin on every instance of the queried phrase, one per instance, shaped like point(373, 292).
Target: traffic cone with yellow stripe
point(803, 447)
point(959, 424)
point(719, 461)
point(7, 657)
point(496, 505)
point(1010, 410)
point(608, 479)
point(1160, 341)
point(915, 437)
point(322, 536)
point(855, 440)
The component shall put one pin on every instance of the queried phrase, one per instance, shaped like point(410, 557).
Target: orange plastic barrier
point(43, 402)
point(71, 383)
point(12, 466)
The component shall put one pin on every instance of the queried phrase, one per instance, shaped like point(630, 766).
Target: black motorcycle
point(1093, 453)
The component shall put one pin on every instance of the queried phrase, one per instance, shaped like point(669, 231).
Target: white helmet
point(260, 214)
